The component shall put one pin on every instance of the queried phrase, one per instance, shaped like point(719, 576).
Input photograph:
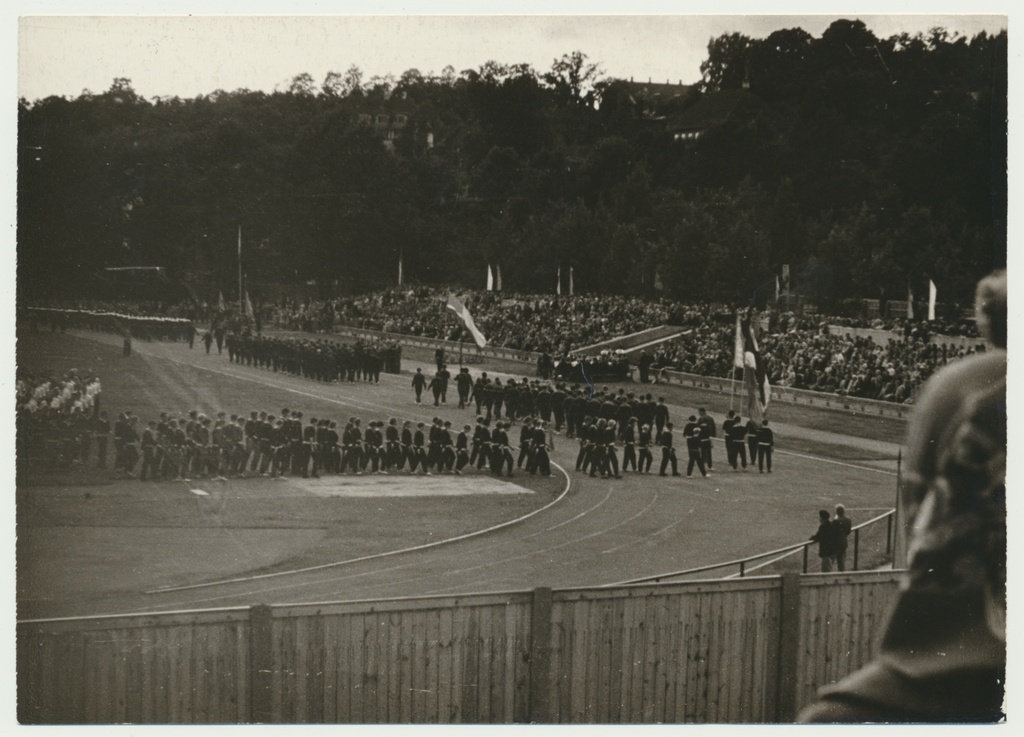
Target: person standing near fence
point(826, 539)
point(942, 657)
point(843, 526)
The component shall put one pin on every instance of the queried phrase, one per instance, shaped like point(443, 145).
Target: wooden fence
point(752, 650)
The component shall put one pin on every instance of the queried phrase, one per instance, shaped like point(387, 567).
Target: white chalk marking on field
point(376, 556)
point(409, 486)
point(199, 492)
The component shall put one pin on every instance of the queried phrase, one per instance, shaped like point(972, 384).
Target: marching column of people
point(194, 445)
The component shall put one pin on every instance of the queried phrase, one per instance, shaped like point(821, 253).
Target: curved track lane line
point(375, 556)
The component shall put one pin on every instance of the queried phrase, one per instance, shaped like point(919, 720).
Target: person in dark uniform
point(644, 364)
point(308, 453)
point(444, 374)
point(126, 345)
point(462, 449)
point(629, 446)
point(418, 453)
point(752, 427)
point(611, 459)
point(765, 445)
point(208, 341)
point(464, 384)
point(583, 432)
point(730, 449)
point(692, 433)
point(646, 456)
point(392, 446)
point(707, 431)
point(542, 447)
point(598, 449)
point(738, 433)
point(525, 443)
point(419, 383)
point(660, 415)
point(439, 358)
point(405, 449)
point(435, 387)
point(501, 453)
point(668, 452)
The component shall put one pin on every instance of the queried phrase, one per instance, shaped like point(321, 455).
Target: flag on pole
point(456, 306)
point(910, 302)
point(249, 312)
point(220, 301)
point(497, 277)
point(570, 282)
point(490, 279)
point(399, 267)
point(558, 284)
point(755, 375)
point(737, 356)
point(933, 292)
point(777, 287)
point(785, 279)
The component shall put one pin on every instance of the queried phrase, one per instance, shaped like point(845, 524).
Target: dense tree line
point(867, 164)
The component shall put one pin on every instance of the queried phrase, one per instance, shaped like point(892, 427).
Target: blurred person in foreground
point(942, 658)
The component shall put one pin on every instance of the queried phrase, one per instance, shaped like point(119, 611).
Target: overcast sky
point(167, 53)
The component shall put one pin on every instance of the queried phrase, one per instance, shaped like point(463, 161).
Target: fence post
point(540, 658)
point(789, 648)
point(856, 549)
point(261, 665)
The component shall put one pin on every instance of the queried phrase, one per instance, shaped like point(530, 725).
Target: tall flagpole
point(241, 296)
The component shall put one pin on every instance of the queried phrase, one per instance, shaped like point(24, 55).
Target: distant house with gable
point(713, 109)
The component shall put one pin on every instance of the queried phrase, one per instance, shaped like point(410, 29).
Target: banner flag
point(220, 301)
point(497, 277)
point(249, 312)
point(456, 306)
point(933, 292)
point(910, 302)
point(490, 279)
point(737, 358)
point(558, 284)
point(777, 288)
point(785, 279)
point(755, 375)
point(570, 282)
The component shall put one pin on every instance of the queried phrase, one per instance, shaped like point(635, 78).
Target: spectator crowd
point(57, 417)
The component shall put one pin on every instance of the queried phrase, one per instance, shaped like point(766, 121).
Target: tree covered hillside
point(864, 163)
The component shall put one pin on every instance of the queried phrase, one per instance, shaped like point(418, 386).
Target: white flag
point(933, 292)
point(490, 279)
point(558, 284)
point(456, 306)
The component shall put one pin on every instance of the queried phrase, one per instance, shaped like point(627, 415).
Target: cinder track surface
point(91, 544)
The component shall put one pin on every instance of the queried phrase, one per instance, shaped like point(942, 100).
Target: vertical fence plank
point(789, 647)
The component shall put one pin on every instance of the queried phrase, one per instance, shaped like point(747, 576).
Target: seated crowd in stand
point(57, 418)
point(800, 350)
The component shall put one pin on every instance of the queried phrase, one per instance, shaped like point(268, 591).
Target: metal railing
point(780, 554)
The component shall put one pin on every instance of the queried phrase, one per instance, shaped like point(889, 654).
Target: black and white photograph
point(526, 364)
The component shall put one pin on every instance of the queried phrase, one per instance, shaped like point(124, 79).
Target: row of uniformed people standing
point(565, 406)
point(317, 359)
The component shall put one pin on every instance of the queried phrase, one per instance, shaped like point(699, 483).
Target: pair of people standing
point(832, 537)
